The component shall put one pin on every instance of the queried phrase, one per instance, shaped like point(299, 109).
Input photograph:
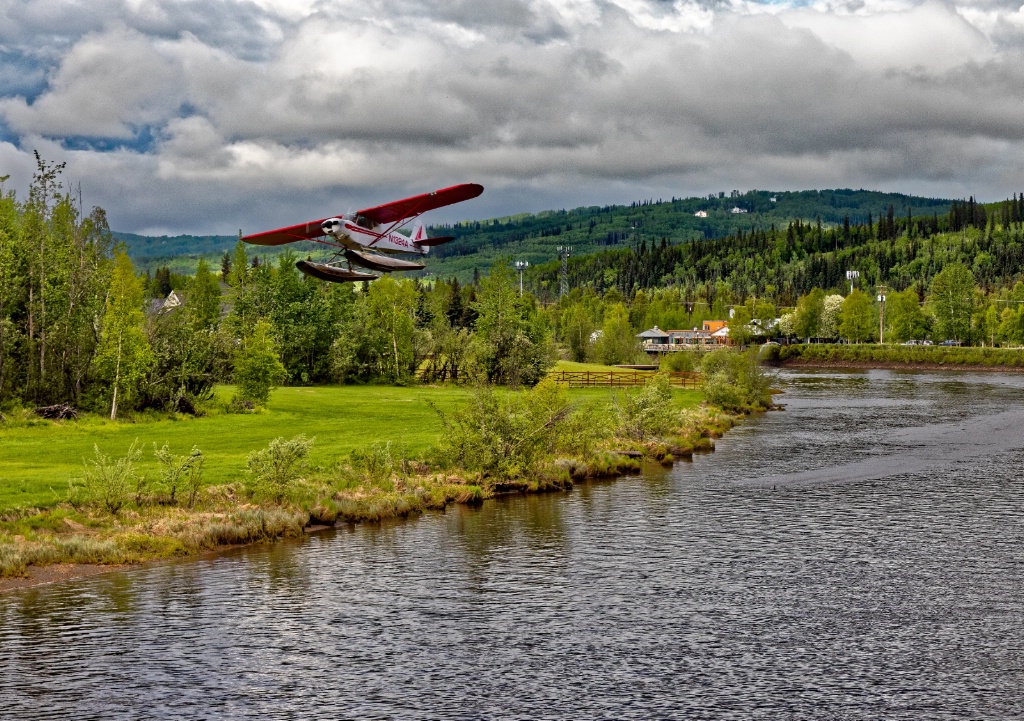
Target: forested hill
point(536, 237)
point(145, 250)
point(786, 261)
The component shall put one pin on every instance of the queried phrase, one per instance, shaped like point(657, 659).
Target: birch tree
point(952, 301)
point(124, 354)
point(392, 309)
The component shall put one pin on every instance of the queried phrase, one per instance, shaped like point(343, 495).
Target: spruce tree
point(225, 266)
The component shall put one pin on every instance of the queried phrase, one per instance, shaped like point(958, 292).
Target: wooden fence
point(583, 379)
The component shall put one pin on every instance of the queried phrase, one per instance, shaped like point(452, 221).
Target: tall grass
point(498, 442)
point(937, 355)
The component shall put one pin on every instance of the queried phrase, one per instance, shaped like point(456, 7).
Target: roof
point(654, 332)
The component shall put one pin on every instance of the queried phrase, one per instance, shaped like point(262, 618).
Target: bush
point(274, 469)
point(735, 380)
point(377, 465)
point(180, 472)
point(647, 411)
point(941, 355)
point(504, 436)
point(684, 360)
point(108, 483)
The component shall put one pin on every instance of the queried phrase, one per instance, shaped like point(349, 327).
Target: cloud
point(203, 116)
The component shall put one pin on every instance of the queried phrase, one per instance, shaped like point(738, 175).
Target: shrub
point(274, 469)
point(735, 380)
point(377, 464)
point(684, 360)
point(504, 436)
point(106, 482)
point(646, 411)
point(180, 472)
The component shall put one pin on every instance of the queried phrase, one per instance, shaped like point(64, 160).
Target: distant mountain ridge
point(536, 237)
point(143, 248)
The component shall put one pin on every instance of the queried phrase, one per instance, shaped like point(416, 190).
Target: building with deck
point(712, 334)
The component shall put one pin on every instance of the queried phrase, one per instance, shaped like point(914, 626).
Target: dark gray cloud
point(207, 116)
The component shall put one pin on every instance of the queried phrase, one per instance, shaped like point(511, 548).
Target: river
point(859, 555)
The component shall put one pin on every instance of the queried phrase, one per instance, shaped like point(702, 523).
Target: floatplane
point(369, 238)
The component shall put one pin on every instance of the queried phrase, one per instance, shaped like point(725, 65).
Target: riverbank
point(890, 365)
point(894, 357)
point(378, 483)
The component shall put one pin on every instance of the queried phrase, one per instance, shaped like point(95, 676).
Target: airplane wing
point(291, 234)
point(409, 207)
point(381, 214)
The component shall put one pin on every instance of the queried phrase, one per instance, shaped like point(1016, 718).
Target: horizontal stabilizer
point(380, 262)
point(435, 241)
point(332, 273)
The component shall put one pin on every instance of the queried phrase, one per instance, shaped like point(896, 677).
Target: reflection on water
point(858, 555)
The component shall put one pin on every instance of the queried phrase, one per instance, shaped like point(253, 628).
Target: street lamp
point(521, 265)
point(881, 313)
point(852, 275)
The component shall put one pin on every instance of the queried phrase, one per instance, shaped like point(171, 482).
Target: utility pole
point(881, 314)
point(564, 251)
point(521, 265)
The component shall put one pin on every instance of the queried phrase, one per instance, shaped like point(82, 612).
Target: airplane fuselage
point(357, 234)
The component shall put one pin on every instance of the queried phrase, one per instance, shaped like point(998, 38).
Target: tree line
point(952, 307)
point(80, 326)
point(785, 263)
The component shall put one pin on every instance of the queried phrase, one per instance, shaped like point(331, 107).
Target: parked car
point(948, 343)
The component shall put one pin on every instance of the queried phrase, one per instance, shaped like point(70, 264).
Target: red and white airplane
point(369, 237)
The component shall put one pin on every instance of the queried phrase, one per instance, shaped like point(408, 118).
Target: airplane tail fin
point(418, 232)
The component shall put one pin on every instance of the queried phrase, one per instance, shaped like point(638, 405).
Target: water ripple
point(858, 556)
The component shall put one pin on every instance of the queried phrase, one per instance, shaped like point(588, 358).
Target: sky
point(210, 116)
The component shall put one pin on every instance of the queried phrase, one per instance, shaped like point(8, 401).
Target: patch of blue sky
point(6, 134)
point(22, 75)
point(143, 140)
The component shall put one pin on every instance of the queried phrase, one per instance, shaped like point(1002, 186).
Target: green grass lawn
point(37, 461)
